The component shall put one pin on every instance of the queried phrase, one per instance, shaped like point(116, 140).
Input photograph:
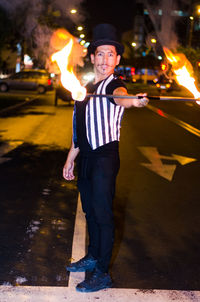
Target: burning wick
point(68, 78)
point(183, 71)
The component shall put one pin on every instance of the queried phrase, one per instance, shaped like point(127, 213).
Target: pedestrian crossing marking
point(63, 294)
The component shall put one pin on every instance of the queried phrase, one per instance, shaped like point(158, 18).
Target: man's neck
point(99, 78)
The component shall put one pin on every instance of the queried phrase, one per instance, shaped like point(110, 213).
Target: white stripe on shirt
point(98, 109)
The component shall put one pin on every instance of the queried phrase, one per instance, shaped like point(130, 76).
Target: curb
point(8, 109)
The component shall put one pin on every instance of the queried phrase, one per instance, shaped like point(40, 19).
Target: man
point(96, 133)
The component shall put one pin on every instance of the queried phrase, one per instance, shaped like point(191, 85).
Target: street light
point(80, 28)
point(82, 36)
point(191, 31)
point(198, 10)
point(196, 13)
point(153, 40)
point(73, 11)
point(82, 42)
point(133, 44)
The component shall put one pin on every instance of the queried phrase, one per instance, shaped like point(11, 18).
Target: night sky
point(119, 13)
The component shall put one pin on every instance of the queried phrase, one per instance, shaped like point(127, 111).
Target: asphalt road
point(158, 199)
point(156, 205)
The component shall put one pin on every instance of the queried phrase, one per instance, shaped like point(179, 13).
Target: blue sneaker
point(97, 281)
point(87, 263)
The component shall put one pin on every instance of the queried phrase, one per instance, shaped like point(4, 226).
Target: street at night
point(94, 207)
point(156, 205)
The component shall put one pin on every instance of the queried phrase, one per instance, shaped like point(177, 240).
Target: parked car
point(28, 79)
point(63, 94)
point(164, 84)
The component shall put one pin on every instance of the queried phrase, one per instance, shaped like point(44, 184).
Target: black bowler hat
point(105, 34)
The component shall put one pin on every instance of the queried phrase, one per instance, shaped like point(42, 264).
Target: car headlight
point(88, 76)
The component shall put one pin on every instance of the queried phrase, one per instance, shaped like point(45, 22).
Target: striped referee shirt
point(102, 117)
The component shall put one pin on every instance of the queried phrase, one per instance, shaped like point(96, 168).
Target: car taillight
point(49, 82)
point(168, 85)
point(158, 85)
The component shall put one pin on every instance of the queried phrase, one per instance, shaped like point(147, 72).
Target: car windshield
point(19, 75)
point(29, 74)
point(38, 74)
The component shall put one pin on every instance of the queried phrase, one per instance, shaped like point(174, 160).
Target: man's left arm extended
point(127, 103)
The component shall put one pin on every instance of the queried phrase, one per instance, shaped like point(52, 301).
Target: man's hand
point(130, 102)
point(79, 94)
point(68, 170)
point(141, 102)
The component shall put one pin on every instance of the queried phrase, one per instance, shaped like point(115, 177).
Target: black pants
point(96, 183)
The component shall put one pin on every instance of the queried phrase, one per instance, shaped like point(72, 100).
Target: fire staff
point(96, 134)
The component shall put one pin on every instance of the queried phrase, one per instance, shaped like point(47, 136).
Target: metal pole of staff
point(156, 98)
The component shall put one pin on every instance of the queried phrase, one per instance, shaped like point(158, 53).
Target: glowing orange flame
point(183, 71)
point(68, 78)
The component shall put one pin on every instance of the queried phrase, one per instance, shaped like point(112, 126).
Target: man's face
point(105, 59)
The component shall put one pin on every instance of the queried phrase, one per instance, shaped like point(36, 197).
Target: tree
point(6, 38)
point(5, 28)
point(31, 24)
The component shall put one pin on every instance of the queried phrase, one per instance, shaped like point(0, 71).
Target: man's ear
point(118, 59)
point(92, 58)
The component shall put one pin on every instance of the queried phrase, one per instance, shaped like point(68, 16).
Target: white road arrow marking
point(156, 165)
point(183, 160)
point(7, 147)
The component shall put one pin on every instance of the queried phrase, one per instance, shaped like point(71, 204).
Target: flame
point(68, 78)
point(183, 71)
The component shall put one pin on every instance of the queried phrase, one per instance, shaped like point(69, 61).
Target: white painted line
point(175, 120)
point(64, 294)
point(189, 104)
point(78, 246)
point(7, 109)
